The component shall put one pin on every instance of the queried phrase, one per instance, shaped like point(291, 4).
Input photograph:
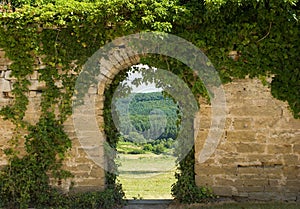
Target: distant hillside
point(145, 106)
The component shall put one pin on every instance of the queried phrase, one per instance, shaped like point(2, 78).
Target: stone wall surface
point(85, 154)
point(258, 155)
point(87, 175)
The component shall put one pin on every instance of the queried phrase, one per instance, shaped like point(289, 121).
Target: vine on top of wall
point(249, 38)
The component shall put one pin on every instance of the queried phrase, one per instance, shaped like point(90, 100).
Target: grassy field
point(146, 176)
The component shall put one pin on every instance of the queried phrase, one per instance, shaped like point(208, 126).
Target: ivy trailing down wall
point(59, 37)
point(241, 38)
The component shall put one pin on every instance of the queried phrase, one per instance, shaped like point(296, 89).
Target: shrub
point(148, 147)
point(159, 149)
point(136, 151)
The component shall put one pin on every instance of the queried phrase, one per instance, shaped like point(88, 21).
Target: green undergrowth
point(110, 198)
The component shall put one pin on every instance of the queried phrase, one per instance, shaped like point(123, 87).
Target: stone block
point(252, 111)
point(79, 174)
point(92, 182)
point(288, 123)
point(5, 61)
point(291, 172)
point(249, 189)
point(3, 67)
point(230, 161)
point(2, 53)
point(204, 122)
point(5, 85)
point(291, 159)
point(59, 84)
point(105, 70)
point(279, 149)
point(241, 136)
point(209, 161)
point(37, 85)
point(97, 172)
point(273, 183)
point(223, 190)
point(92, 90)
point(204, 180)
point(2, 74)
point(34, 75)
point(293, 185)
point(32, 94)
point(118, 59)
point(101, 87)
point(82, 160)
point(254, 181)
point(81, 167)
point(253, 170)
point(250, 148)
point(290, 196)
point(284, 137)
point(205, 112)
point(263, 158)
point(296, 149)
point(216, 170)
point(261, 136)
point(223, 181)
point(273, 172)
point(265, 196)
point(228, 147)
point(8, 75)
point(242, 123)
point(264, 122)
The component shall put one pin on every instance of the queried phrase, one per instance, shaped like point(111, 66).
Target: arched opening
point(148, 124)
point(99, 85)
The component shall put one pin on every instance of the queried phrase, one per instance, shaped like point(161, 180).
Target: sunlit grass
point(146, 176)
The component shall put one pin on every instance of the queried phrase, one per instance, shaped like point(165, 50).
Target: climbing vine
point(56, 39)
point(249, 38)
point(255, 38)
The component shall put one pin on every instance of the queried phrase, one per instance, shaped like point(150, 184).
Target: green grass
point(127, 147)
point(146, 176)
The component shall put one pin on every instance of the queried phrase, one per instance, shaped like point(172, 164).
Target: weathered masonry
point(258, 156)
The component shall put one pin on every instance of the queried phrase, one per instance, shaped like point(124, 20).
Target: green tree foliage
point(141, 109)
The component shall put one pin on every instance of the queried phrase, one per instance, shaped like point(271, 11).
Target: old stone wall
point(258, 156)
point(87, 175)
point(83, 160)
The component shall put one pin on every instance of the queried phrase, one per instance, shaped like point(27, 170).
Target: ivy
point(62, 35)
